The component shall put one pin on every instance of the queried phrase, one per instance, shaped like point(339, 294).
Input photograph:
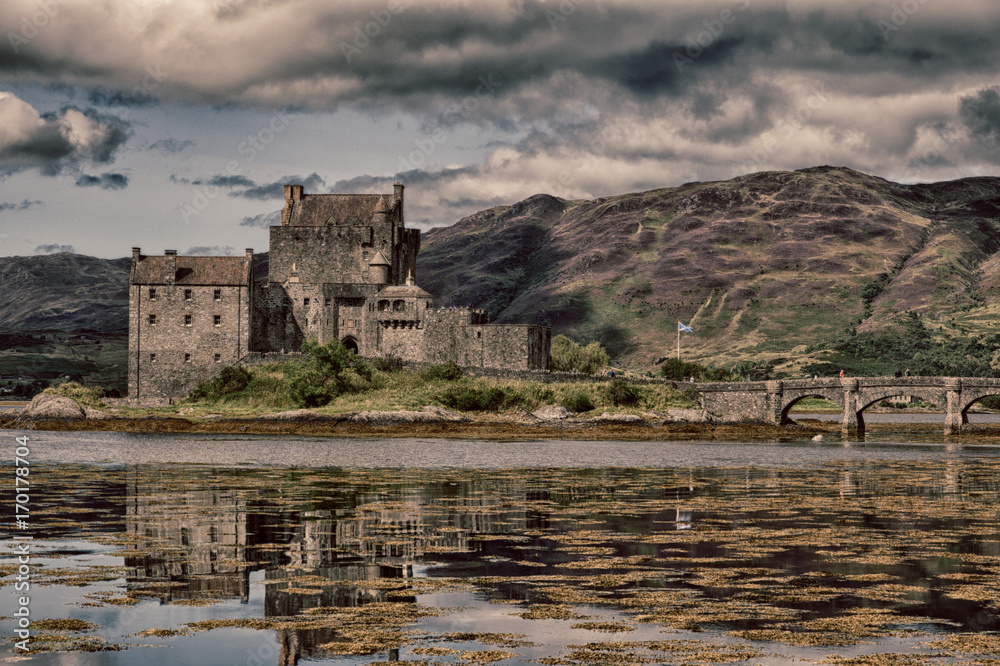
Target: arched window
point(398, 306)
point(383, 306)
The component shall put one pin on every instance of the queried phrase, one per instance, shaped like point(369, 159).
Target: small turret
point(378, 269)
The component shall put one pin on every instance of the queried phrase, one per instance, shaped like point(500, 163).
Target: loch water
point(260, 550)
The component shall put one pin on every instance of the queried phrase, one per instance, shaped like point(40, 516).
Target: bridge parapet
point(770, 401)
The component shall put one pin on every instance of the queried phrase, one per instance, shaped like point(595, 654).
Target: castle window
point(479, 334)
point(152, 294)
point(217, 320)
point(187, 358)
point(187, 294)
point(217, 294)
point(305, 302)
point(383, 306)
point(326, 301)
point(152, 320)
point(152, 357)
point(218, 358)
point(398, 306)
point(187, 320)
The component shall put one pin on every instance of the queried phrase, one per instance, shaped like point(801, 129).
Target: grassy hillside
point(765, 266)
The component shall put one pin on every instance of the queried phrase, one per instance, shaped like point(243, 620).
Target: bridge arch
point(791, 398)
point(971, 397)
point(868, 398)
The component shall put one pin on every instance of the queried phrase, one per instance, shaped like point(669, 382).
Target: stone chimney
point(397, 194)
point(249, 252)
point(286, 212)
point(171, 270)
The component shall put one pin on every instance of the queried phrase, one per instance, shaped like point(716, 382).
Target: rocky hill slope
point(770, 264)
point(64, 291)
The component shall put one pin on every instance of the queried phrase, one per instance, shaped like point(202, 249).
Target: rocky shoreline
point(52, 412)
point(57, 413)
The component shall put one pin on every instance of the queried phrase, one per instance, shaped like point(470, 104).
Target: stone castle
point(341, 267)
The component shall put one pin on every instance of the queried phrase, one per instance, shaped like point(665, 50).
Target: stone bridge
point(769, 402)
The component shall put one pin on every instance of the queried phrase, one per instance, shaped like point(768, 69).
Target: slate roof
point(403, 291)
point(219, 271)
point(318, 210)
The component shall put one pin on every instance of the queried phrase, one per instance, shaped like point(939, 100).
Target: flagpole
point(678, 342)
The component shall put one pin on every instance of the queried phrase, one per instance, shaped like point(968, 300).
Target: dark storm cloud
point(24, 205)
point(53, 248)
point(134, 98)
point(171, 146)
point(218, 180)
point(106, 181)
point(276, 190)
point(981, 114)
point(210, 251)
point(263, 220)
point(422, 58)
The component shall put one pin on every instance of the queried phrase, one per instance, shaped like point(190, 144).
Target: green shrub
point(692, 395)
point(324, 374)
point(492, 399)
point(389, 364)
point(578, 402)
point(233, 379)
point(567, 356)
point(679, 371)
point(88, 397)
point(447, 371)
point(621, 394)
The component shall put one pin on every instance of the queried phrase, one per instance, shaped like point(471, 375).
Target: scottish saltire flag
point(686, 329)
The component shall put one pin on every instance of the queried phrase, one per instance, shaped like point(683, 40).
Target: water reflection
point(332, 538)
point(738, 549)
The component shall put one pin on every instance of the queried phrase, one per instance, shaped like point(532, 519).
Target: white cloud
point(28, 140)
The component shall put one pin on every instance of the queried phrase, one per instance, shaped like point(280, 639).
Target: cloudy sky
point(172, 124)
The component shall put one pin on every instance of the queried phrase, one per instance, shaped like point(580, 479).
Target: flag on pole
point(686, 329)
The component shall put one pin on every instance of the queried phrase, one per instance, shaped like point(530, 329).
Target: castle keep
point(341, 267)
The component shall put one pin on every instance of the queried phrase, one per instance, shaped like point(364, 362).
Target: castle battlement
point(341, 267)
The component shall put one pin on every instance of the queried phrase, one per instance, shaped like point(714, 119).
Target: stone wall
point(169, 356)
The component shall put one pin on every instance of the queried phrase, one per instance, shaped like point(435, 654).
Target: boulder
point(617, 418)
point(552, 413)
point(46, 406)
point(294, 415)
point(428, 414)
point(97, 414)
